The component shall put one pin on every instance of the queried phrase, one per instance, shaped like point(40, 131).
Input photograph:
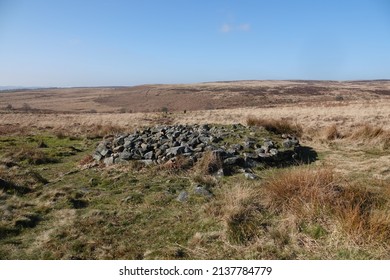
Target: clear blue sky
point(97, 43)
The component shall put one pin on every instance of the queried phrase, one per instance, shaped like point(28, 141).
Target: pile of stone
point(163, 143)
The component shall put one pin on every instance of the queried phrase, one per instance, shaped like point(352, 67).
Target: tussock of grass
point(371, 134)
point(317, 194)
point(278, 126)
point(242, 215)
point(331, 132)
point(33, 156)
point(368, 132)
point(208, 163)
point(177, 164)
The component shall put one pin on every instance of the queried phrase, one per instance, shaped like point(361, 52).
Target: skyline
point(124, 43)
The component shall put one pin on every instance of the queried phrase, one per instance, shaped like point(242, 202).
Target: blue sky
point(98, 43)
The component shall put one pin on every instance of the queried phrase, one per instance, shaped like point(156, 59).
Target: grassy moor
point(75, 184)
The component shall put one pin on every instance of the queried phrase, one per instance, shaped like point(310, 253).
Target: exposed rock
point(162, 143)
point(250, 176)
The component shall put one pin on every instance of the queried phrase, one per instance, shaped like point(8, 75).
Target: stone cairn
point(161, 144)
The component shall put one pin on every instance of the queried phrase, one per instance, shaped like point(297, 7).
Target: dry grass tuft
point(86, 160)
point(32, 156)
point(315, 194)
point(177, 164)
point(278, 126)
point(208, 163)
point(331, 132)
point(368, 132)
point(242, 215)
point(372, 134)
point(301, 190)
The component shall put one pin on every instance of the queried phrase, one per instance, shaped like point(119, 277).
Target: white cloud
point(227, 27)
point(244, 27)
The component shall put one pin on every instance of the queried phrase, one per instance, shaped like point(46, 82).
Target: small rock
point(183, 196)
point(125, 155)
point(250, 176)
point(149, 155)
point(233, 161)
point(273, 152)
point(201, 190)
point(109, 161)
point(96, 156)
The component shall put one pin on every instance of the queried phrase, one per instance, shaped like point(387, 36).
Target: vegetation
point(277, 126)
point(58, 204)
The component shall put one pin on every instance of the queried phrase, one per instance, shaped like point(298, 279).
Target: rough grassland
point(55, 205)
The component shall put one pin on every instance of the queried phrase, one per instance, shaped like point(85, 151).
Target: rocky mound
point(235, 145)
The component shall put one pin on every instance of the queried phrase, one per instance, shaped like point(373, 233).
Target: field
point(55, 203)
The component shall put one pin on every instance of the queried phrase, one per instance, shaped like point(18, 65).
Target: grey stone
point(249, 144)
point(273, 152)
point(176, 150)
point(145, 147)
point(183, 196)
point(259, 151)
point(232, 161)
point(288, 143)
point(193, 142)
point(127, 144)
point(264, 155)
point(221, 172)
point(97, 156)
point(102, 149)
point(250, 176)
point(204, 139)
point(251, 156)
point(201, 190)
point(118, 148)
point(232, 151)
point(119, 140)
point(175, 144)
point(149, 155)
point(108, 161)
point(236, 147)
point(268, 144)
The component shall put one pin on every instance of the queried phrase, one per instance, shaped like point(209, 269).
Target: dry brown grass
point(242, 215)
point(208, 164)
point(301, 190)
point(177, 164)
point(331, 132)
point(277, 126)
point(317, 194)
point(371, 134)
point(368, 132)
point(32, 156)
